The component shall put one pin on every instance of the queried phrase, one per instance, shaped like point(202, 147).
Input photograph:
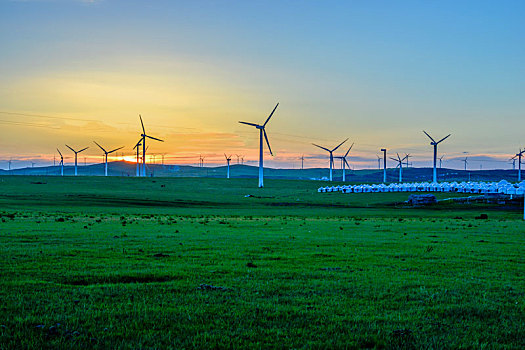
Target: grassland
point(211, 263)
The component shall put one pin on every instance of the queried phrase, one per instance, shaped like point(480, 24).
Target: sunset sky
point(376, 72)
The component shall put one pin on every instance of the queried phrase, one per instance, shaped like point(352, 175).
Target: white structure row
point(503, 187)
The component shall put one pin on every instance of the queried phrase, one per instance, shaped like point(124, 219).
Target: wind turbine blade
point(339, 145)
point(430, 137)
point(398, 157)
point(348, 165)
point(83, 149)
point(138, 144)
point(267, 120)
point(59, 152)
point(326, 149)
point(267, 142)
point(116, 149)
point(349, 150)
point(99, 146)
point(397, 160)
point(154, 138)
point(444, 138)
point(252, 124)
point(141, 123)
point(225, 156)
point(71, 149)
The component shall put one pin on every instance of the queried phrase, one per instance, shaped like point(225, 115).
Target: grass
point(193, 263)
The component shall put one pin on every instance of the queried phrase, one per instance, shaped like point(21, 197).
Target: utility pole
point(384, 164)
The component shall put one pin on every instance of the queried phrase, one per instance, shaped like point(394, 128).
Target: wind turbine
point(262, 131)
point(399, 160)
point(343, 162)
point(440, 161)
point(331, 151)
point(76, 154)
point(435, 144)
point(406, 157)
point(378, 162)
point(228, 159)
point(519, 155)
point(513, 162)
point(302, 162)
point(466, 162)
point(106, 156)
point(61, 163)
point(384, 164)
point(144, 136)
point(9, 164)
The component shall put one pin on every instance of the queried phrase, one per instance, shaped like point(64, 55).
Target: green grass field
point(196, 263)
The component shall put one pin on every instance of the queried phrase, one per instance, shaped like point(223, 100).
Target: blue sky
point(377, 72)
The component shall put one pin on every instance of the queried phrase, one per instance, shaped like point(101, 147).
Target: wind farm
point(215, 221)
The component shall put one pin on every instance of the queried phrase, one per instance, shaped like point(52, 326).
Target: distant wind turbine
point(144, 136)
point(435, 144)
point(106, 156)
point(466, 162)
point(331, 151)
point(406, 157)
point(262, 131)
point(302, 162)
point(137, 146)
point(76, 154)
point(513, 162)
point(344, 162)
point(399, 160)
point(378, 162)
point(228, 159)
point(441, 160)
point(519, 155)
point(61, 163)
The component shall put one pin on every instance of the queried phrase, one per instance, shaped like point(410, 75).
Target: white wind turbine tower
point(435, 144)
point(331, 151)
point(61, 163)
point(262, 131)
point(144, 136)
point(106, 156)
point(399, 161)
point(344, 162)
point(441, 160)
point(228, 159)
point(378, 162)
point(76, 153)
